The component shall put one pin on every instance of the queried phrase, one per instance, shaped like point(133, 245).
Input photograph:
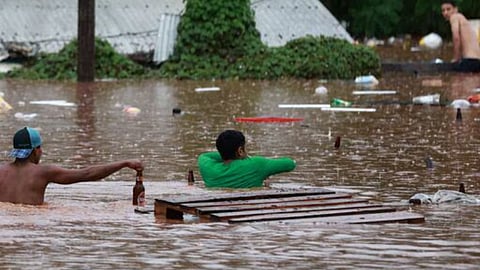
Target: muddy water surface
point(92, 225)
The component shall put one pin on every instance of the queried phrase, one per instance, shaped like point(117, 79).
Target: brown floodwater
point(382, 157)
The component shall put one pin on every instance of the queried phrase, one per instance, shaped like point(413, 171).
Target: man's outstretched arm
point(59, 175)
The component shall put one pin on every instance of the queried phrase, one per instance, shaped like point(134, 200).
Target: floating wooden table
point(274, 205)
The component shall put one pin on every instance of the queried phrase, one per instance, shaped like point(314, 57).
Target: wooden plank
point(208, 210)
point(261, 201)
point(171, 211)
point(257, 194)
point(375, 218)
point(345, 204)
point(313, 214)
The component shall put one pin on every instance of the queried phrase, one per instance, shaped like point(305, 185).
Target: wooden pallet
point(307, 205)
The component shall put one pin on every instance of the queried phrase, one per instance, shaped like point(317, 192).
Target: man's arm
point(456, 38)
point(59, 175)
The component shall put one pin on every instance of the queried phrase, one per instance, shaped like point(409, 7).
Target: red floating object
point(268, 119)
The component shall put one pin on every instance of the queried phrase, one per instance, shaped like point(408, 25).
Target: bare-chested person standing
point(466, 50)
point(25, 180)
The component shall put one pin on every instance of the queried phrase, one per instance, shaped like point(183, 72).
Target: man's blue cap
point(24, 141)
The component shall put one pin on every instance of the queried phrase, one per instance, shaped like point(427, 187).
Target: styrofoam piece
point(304, 106)
point(207, 89)
point(62, 103)
point(379, 92)
point(339, 109)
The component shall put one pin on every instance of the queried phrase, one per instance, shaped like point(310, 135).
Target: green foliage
point(375, 17)
point(217, 28)
point(384, 18)
point(63, 65)
point(218, 39)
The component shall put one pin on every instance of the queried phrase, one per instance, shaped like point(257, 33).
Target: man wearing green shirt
point(231, 167)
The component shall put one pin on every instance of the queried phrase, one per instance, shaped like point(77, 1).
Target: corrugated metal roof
point(280, 21)
point(167, 34)
point(130, 26)
point(150, 25)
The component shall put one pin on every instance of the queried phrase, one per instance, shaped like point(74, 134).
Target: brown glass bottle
point(139, 190)
point(190, 178)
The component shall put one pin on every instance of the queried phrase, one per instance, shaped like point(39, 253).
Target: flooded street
point(382, 157)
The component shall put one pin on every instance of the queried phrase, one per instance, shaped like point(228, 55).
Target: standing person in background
point(466, 50)
point(25, 180)
point(231, 167)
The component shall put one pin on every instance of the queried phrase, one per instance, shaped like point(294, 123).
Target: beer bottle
point(190, 178)
point(139, 190)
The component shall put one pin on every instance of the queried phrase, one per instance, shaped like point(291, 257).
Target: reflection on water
point(382, 157)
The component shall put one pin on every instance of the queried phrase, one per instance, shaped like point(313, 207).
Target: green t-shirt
point(241, 173)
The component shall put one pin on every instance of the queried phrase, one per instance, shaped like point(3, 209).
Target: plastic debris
point(131, 110)
point(340, 109)
point(4, 106)
point(303, 106)
point(207, 89)
point(61, 103)
point(427, 99)
point(474, 98)
point(336, 102)
point(321, 90)
point(444, 196)
point(380, 92)
point(431, 41)
point(369, 79)
point(24, 116)
point(460, 103)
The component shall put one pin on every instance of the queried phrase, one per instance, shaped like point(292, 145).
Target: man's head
point(231, 145)
point(26, 141)
point(448, 9)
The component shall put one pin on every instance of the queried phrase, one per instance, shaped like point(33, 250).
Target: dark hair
point(451, 2)
point(228, 142)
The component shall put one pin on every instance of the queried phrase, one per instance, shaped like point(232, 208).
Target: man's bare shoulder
point(457, 17)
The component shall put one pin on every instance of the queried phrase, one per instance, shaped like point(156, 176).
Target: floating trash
point(131, 110)
point(444, 196)
point(371, 92)
point(61, 103)
point(207, 89)
point(369, 79)
point(431, 41)
point(474, 98)
point(340, 109)
point(321, 90)
point(460, 103)
point(303, 106)
point(336, 102)
point(427, 100)
point(4, 106)
point(25, 116)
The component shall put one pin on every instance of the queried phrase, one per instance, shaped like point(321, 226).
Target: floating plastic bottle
point(431, 41)
point(427, 100)
point(368, 79)
point(336, 102)
point(321, 90)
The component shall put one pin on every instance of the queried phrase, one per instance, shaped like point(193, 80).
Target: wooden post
point(86, 41)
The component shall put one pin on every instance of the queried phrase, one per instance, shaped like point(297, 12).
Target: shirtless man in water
point(25, 180)
point(466, 50)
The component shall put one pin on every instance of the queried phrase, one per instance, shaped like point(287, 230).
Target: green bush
point(218, 39)
point(63, 65)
